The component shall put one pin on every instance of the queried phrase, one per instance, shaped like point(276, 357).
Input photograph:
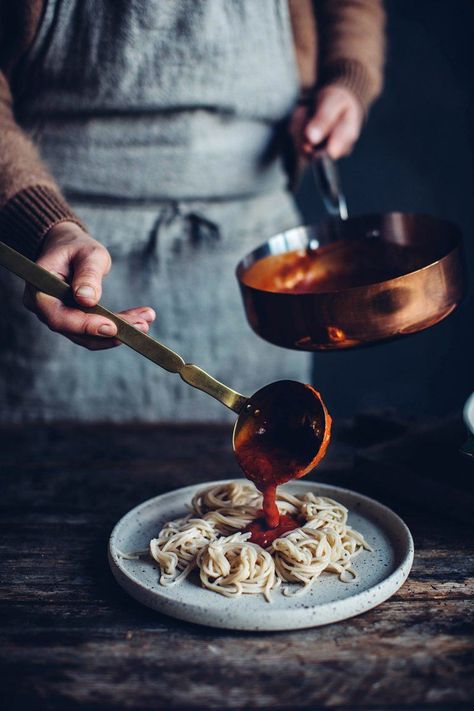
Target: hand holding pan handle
point(327, 179)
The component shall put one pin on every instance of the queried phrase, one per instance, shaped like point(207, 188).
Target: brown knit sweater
point(337, 41)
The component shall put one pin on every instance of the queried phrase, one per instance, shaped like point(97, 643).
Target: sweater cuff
point(27, 216)
point(354, 76)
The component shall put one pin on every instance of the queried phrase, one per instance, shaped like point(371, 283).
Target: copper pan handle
point(327, 179)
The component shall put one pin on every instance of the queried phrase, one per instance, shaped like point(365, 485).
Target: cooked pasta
point(177, 546)
point(233, 566)
point(211, 539)
point(322, 509)
point(223, 496)
point(231, 520)
point(303, 554)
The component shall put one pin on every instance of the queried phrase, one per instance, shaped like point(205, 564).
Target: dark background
point(416, 154)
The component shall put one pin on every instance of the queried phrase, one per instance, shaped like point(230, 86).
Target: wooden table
point(71, 639)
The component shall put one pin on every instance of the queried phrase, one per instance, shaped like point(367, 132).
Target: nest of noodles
point(210, 539)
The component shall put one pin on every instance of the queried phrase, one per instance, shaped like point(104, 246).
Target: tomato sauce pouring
point(284, 435)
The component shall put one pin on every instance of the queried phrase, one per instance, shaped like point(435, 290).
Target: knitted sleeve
point(352, 46)
point(30, 200)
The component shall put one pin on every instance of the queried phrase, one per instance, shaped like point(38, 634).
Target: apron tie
point(202, 228)
point(165, 217)
point(188, 225)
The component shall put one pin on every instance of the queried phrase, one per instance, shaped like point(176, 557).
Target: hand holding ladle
point(282, 431)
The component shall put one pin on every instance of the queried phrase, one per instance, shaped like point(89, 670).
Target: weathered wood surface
point(71, 639)
point(418, 460)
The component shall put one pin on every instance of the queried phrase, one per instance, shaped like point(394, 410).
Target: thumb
point(88, 270)
point(320, 125)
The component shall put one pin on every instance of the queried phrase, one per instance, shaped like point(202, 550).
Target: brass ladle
point(285, 423)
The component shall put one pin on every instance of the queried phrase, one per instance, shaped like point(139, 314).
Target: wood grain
point(71, 639)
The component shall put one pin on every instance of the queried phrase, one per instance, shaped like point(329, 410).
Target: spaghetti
point(233, 565)
point(211, 539)
point(177, 546)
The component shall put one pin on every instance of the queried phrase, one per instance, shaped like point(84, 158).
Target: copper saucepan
point(352, 281)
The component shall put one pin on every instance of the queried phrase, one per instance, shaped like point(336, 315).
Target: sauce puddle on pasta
point(264, 536)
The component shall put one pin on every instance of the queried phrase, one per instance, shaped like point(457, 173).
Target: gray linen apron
point(160, 121)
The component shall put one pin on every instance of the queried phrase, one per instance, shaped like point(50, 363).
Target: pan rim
point(452, 228)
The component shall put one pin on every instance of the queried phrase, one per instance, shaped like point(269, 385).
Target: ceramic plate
point(380, 573)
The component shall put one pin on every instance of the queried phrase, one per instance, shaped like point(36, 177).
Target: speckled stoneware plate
point(380, 573)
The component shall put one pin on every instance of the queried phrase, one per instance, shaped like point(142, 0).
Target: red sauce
point(281, 440)
point(340, 265)
point(268, 466)
point(263, 535)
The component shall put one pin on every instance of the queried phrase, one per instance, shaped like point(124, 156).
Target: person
point(158, 137)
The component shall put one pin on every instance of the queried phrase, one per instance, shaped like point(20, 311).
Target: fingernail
point(148, 313)
point(106, 330)
point(315, 134)
point(86, 291)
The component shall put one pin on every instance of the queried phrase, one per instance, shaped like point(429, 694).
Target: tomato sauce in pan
point(343, 264)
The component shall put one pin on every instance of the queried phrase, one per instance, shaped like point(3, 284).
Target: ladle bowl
point(281, 433)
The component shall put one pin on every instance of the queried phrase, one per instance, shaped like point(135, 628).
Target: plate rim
point(317, 615)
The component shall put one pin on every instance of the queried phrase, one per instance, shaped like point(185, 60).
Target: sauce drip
point(274, 459)
point(263, 536)
point(281, 440)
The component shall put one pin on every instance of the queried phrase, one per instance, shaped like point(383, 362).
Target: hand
point(73, 255)
point(337, 119)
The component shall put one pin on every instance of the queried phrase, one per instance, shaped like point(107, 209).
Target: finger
point(99, 344)
point(320, 125)
point(56, 262)
point(94, 344)
point(297, 125)
point(138, 313)
point(90, 330)
point(343, 136)
point(88, 269)
point(70, 321)
point(133, 315)
point(58, 317)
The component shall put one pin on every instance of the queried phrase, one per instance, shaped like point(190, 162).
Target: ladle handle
point(327, 178)
point(147, 346)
